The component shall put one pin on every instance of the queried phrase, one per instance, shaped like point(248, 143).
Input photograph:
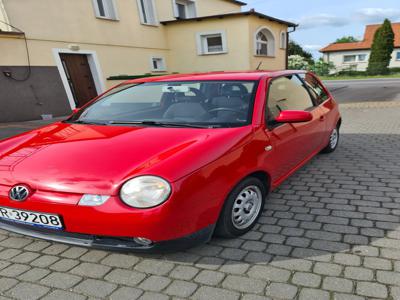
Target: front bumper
point(108, 242)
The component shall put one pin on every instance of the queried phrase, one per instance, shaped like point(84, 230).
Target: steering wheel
point(216, 110)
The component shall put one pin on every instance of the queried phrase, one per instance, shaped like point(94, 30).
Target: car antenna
point(259, 66)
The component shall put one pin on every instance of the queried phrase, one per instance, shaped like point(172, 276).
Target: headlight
point(145, 191)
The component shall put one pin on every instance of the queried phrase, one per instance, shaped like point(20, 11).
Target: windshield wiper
point(89, 122)
point(160, 124)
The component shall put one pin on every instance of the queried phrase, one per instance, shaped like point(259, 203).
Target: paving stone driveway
point(330, 232)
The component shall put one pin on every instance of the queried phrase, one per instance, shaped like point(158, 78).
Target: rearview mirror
point(293, 116)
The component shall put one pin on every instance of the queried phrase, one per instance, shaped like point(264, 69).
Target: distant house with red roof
point(355, 55)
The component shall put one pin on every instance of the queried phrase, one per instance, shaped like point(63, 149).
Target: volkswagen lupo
point(165, 162)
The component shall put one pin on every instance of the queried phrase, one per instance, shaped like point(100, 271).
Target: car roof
point(213, 76)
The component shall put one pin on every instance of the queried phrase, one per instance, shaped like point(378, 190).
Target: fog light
point(93, 200)
point(143, 241)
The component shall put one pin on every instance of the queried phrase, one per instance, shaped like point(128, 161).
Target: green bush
point(394, 70)
point(322, 68)
point(351, 73)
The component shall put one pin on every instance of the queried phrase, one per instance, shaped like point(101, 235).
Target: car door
point(290, 144)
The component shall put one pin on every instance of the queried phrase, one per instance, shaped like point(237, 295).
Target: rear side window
point(315, 88)
point(287, 93)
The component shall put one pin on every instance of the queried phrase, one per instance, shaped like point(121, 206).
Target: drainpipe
point(287, 45)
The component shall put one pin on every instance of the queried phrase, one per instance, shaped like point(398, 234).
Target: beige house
point(55, 55)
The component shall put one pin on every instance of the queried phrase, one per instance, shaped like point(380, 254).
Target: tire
point(333, 141)
point(242, 208)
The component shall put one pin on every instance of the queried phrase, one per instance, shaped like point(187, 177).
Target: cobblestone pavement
point(330, 232)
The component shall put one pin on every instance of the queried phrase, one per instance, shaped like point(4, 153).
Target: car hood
point(77, 158)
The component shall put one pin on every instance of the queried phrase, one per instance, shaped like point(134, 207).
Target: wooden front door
point(79, 76)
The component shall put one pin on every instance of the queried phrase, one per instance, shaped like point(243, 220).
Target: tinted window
point(287, 93)
point(315, 88)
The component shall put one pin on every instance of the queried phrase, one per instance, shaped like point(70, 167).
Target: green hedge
point(394, 70)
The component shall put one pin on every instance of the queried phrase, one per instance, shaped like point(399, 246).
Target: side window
point(315, 88)
point(287, 93)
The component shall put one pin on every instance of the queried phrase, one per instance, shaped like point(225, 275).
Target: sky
point(322, 22)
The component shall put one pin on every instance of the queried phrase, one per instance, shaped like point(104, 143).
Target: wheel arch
point(263, 176)
point(339, 123)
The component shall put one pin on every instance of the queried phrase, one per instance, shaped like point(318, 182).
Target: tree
point(382, 49)
point(322, 68)
point(296, 49)
point(297, 62)
point(346, 39)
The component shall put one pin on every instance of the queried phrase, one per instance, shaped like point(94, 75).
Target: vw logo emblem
point(19, 193)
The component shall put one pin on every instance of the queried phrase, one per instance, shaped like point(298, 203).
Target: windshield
point(202, 103)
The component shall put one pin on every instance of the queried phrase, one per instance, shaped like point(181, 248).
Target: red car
point(166, 162)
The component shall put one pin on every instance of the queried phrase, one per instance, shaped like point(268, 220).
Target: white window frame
point(202, 46)
point(364, 54)
point(283, 40)
point(271, 43)
point(163, 67)
point(155, 22)
point(352, 61)
point(397, 55)
point(189, 14)
point(262, 42)
point(110, 10)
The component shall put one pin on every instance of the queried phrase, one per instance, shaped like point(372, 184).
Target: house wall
point(395, 63)
point(114, 60)
point(124, 46)
point(240, 36)
point(337, 59)
point(41, 93)
point(184, 56)
point(75, 22)
point(216, 7)
point(276, 62)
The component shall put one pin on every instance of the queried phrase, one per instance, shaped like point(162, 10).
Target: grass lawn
point(396, 75)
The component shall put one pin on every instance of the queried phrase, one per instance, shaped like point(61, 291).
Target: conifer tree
point(382, 49)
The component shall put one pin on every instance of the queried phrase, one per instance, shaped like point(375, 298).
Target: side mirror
point(293, 116)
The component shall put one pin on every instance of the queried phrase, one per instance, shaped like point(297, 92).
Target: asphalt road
point(364, 90)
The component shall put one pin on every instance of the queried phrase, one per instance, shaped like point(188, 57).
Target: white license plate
point(31, 218)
